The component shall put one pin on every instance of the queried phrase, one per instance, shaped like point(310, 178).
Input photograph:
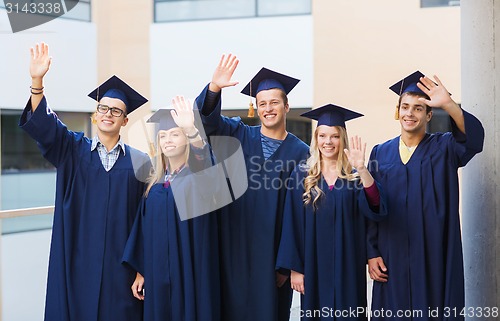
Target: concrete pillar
point(480, 24)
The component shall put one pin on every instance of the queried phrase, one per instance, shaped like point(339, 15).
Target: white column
point(480, 20)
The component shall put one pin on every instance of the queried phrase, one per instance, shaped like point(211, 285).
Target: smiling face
point(413, 115)
point(173, 143)
point(329, 141)
point(107, 123)
point(272, 108)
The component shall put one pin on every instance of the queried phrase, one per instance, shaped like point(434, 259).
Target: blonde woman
point(176, 260)
point(323, 237)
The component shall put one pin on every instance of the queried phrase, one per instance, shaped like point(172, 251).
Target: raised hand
point(356, 153)
point(40, 61)
point(223, 73)
point(183, 114)
point(439, 96)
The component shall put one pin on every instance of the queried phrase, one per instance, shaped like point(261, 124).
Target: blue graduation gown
point(250, 227)
point(328, 246)
point(178, 259)
point(94, 213)
point(420, 241)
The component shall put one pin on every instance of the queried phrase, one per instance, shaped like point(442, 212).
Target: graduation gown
point(94, 213)
point(420, 241)
point(328, 246)
point(178, 259)
point(250, 227)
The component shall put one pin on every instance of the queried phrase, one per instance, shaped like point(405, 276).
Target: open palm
point(183, 114)
point(224, 71)
point(356, 152)
point(40, 60)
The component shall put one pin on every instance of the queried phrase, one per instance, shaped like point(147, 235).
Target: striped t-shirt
point(269, 145)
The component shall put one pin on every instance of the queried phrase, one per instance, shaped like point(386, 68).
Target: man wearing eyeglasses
point(97, 194)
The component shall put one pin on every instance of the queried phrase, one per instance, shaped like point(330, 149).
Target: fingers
point(346, 151)
point(137, 289)
point(425, 101)
point(40, 51)
point(230, 62)
point(179, 103)
point(426, 82)
point(425, 89)
point(45, 49)
point(382, 265)
point(377, 275)
point(174, 115)
point(356, 143)
point(221, 61)
point(377, 270)
point(233, 63)
point(427, 85)
point(437, 80)
point(299, 287)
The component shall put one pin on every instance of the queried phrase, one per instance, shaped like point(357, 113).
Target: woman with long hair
point(176, 258)
point(323, 237)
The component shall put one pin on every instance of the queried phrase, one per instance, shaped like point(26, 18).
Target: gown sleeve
point(133, 255)
point(54, 139)
point(213, 122)
point(291, 247)
point(465, 146)
point(374, 213)
point(372, 250)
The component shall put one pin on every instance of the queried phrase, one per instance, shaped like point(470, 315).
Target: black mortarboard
point(331, 115)
point(114, 87)
point(267, 79)
point(409, 83)
point(163, 118)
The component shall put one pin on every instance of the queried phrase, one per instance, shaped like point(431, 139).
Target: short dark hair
point(283, 96)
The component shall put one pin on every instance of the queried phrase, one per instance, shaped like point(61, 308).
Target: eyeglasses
point(103, 109)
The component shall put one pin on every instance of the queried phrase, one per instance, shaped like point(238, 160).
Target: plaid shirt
point(108, 159)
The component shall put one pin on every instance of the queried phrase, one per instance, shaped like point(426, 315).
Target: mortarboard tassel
point(251, 111)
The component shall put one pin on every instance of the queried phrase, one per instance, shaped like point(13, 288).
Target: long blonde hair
point(312, 191)
point(160, 165)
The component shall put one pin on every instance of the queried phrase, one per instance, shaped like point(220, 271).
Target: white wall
point(185, 54)
point(72, 75)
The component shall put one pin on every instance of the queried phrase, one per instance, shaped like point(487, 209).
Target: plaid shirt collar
point(96, 141)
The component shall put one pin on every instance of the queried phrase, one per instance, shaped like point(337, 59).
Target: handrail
point(19, 213)
point(26, 212)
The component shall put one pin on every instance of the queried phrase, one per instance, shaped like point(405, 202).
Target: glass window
point(182, 10)
point(199, 10)
point(439, 3)
point(440, 122)
point(20, 152)
point(282, 7)
point(81, 10)
point(300, 128)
